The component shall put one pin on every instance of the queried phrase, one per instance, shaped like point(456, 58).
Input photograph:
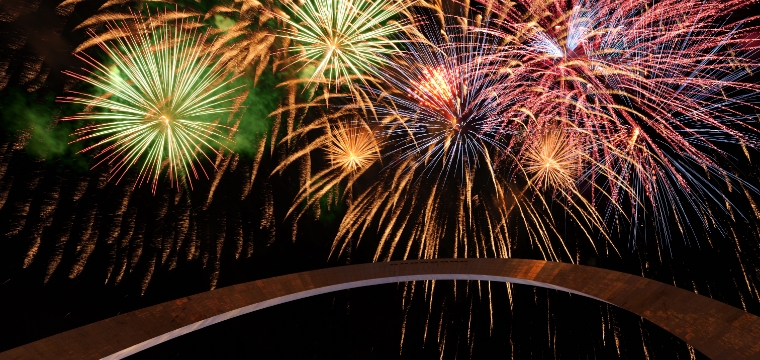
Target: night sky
point(101, 249)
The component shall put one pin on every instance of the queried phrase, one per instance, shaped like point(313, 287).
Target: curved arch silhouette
point(717, 330)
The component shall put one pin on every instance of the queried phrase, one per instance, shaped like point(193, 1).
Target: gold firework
point(553, 161)
point(351, 147)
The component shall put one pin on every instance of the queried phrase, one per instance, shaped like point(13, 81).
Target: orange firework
point(351, 147)
point(553, 161)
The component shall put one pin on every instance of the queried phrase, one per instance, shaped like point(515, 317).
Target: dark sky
point(172, 244)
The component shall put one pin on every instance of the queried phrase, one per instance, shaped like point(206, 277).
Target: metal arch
point(717, 330)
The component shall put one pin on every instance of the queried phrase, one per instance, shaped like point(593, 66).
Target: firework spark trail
point(124, 241)
point(268, 221)
point(136, 245)
point(193, 243)
point(114, 230)
point(221, 166)
point(161, 97)
point(149, 273)
point(6, 183)
point(160, 242)
point(255, 168)
point(238, 235)
point(88, 227)
point(181, 229)
point(63, 234)
point(219, 233)
point(247, 41)
point(44, 219)
point(6, 152)
point(22, 206)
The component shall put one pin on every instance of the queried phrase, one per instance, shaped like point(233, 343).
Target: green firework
point(343, 38)
point(160, 105)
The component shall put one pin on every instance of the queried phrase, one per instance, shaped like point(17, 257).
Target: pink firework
point(652, 92)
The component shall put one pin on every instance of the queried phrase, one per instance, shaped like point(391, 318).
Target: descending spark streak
point(63, 235)
point(45, 219)
point(89, 230)
point(163, 98)
point(114, 230)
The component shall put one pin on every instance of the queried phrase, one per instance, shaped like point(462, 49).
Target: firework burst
point(654, 89)
point(443, 109)
point(352, 147)
point(342, 38)
point(553, 161)
point(158, 107)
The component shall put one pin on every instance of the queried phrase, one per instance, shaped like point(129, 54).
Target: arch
point(717, 330)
